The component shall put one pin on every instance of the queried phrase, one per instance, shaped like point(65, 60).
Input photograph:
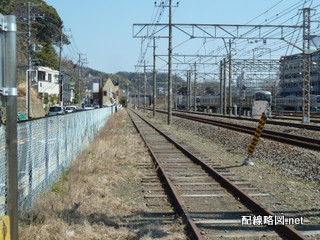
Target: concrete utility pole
point(175, 91)
point(169, 61)
point(154, 78)
point(30, 51)
point(224, 86)
point(62, 34)
point(221, 87)
point(188, 90)
point(169, 65)
point(8, 62)
point(59, 67)
point(79, 76)
point(145, 86)
point(230, 79)
point(81, 61)
point(195, 88)
point(138, 93)
point(28, 85)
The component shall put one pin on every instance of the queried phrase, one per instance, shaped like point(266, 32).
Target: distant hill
point(130, 80)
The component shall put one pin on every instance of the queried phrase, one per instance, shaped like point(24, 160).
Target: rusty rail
point(249, 202)
point(304, 142)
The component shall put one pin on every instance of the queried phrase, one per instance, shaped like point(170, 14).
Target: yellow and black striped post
point(255, 139)
point(5, 228)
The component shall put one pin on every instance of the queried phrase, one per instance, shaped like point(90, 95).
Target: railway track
point(313, 115)
point(293, 118)
point(272, 122)
point(211, 199)
point(295, 140)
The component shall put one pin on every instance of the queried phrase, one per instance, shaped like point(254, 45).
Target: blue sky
point(102, 29)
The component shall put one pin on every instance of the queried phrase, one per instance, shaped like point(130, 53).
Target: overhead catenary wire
point(290, 9)
point(146, 41)
point(282, 13)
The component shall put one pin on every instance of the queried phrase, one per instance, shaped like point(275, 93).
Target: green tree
point(52, 99)
point(46, 30)
point(49, 27)
point(123, 101)
point(6, 6)
point(47, 56)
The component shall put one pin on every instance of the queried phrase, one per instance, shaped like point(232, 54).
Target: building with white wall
point(45, 80)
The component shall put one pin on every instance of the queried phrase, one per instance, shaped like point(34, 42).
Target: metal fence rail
point(46, 147)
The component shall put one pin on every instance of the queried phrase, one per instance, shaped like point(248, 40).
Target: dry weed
point(22, 91)
point(101, 187)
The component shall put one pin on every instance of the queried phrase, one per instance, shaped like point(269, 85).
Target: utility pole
point(169, 61)
point(221, 87)
point(230, 79)
point(195, 88)
point(138, 93)
point(101, 92)
point(175, 91)
point(145, 87)
point(154, 78)
point(79, 76)
point(80, 65)
point(224, 86)
point(188, 90)
point(30, 51)
point(61, 84)
point(28, 83)
point(59, 68)
point(169, 65)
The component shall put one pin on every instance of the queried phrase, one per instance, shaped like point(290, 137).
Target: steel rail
point(248, 201)
point(313, 119)
point(308, 143)
point(294, 113)
point(304, 142)
point(273, 122)
point(194, 231)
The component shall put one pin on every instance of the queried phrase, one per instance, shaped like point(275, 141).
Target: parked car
point(55, 110)
point(79, 110)
point(88, 106)
point(70, 109)
point(96, 105)
point(108, 105)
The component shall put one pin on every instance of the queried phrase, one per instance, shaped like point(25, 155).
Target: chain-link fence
point(46, 148)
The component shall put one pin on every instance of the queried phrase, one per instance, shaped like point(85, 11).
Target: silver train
point(295, 103)
point(213, 102)
point(181, 102)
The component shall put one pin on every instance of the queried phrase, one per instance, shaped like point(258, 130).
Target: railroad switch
point(5, 228)
point(255, 139)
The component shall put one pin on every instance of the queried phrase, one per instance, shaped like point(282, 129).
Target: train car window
point(263, 96)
